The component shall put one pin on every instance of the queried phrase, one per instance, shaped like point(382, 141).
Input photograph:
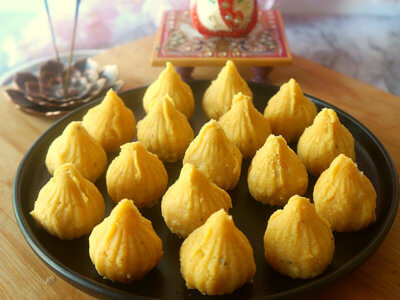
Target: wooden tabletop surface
point(24, 275)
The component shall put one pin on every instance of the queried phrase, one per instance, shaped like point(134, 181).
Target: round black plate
point(70, 259)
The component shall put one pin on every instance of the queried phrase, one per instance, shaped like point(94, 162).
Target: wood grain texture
point(23, 275)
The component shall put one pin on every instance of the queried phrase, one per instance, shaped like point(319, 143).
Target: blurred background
point(360, 38)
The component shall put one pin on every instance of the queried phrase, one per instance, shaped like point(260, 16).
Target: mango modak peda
point(289, 112)
point(217, 99)
point(276, 173)
point(189, 202)
point(298, 242)
point(245, 126)
point(69, 205)
point(165, 131)
point(136, 174)
point(124, 247)
point(75, 145)
point(169, 82)
point(345, 196)
point(217, 258)
point(215, 155)
point(111, 123)
point(325, 139)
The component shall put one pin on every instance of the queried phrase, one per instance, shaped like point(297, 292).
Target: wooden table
point(24, 275)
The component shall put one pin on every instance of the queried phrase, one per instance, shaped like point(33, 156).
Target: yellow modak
point(169, 82)
point(124, 247)
point(189, 202)
point(215, 155)
point(69, 206)
point(345, 196)
point(217, 258)
point(111, 123)
point(165, 131)
point(245, 126)
point(75, 145)
point(289, 112)
point(298, 242)
point(136, 174)
point(217, 99)
point(276, 173)
point(325, 139)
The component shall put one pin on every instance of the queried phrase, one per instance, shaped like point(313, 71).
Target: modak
point(124, 247)
point(111, 123)
point(245, 126)
point(276, 173)
point(165, 131)
point(217, 99)
point(217, 258)
point(75, 145)
point(169, 82)
point(289, 112)
point(189, 202)
point(68, 206)
point(298, 242)
point(215, 155)
point(325, 139)
point(345, 196)
point(136, 174)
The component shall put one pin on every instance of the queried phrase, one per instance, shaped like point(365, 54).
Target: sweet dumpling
point(169, 82)
point(289, 112)
point(217, 258)
point(111, 123)
point(68, 206)
point(215, 155)
point(76, 146)
point(276, 173)
point(325, 139)
point(245, 126)
point(165, 131)
point(136, 174)
point(189, 202)
point(124, 247)
point(344, 196)
point(217, 99)
point(298, 242)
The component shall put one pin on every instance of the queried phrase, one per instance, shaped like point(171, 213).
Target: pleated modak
point(298, 242)
point(345, 196)
point(245, 126)
point(136, 174)
point(189, 202)
point(68, 206)
point(75, 145)
point(124, 247)
point(111, 123)
point(217, 258)
point(165, 131)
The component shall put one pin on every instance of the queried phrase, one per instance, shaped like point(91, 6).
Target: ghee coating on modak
point(276, 173)
point(75, 145)
point(245, 126)
point(217, 99)
point(111, 123)
point(325, 139)
point(298, 242)
point(215, 155)
point(124, 247)
point(345, 196)
point(217, 257)
point(165, 131)
point(189, 202)
point(170, 82)
point(289, 112)
point(69, 205)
